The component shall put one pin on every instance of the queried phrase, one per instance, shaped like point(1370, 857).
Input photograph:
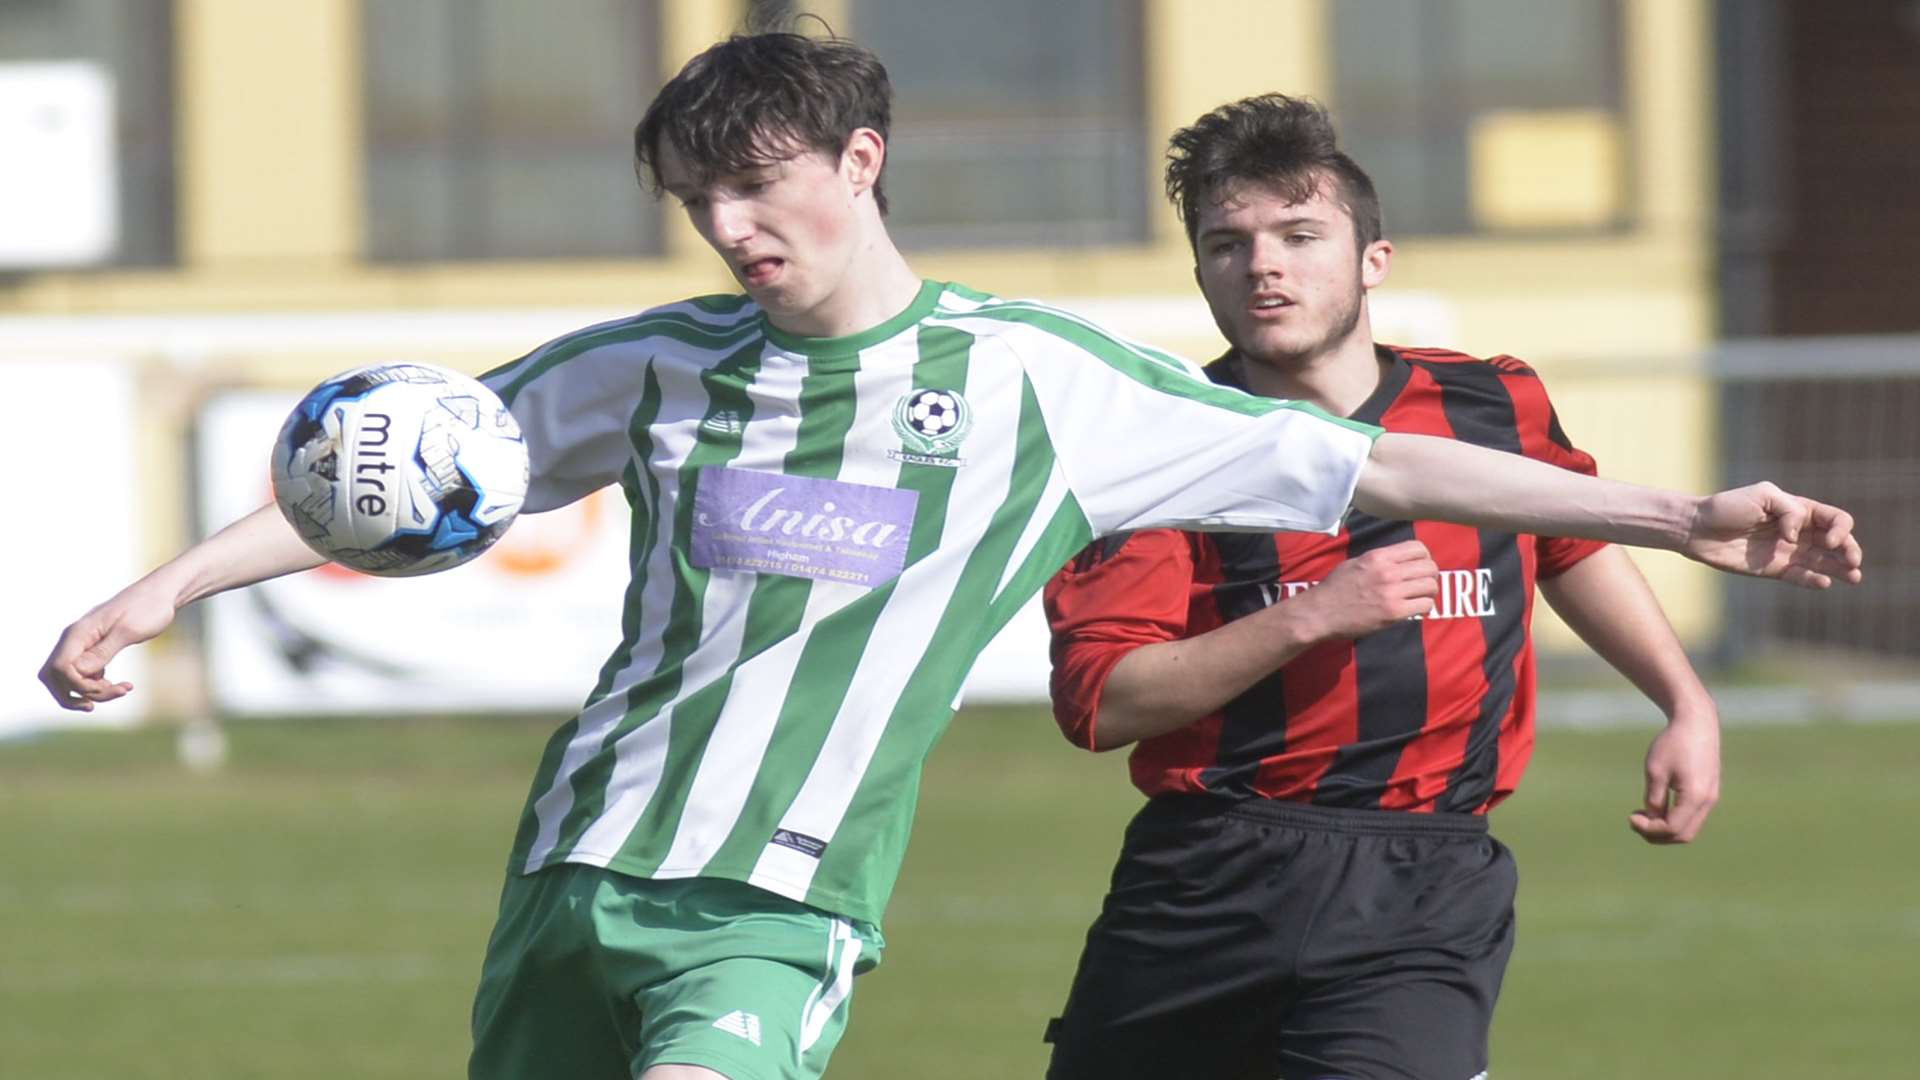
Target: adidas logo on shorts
point(724, 422)
point(744, 1024)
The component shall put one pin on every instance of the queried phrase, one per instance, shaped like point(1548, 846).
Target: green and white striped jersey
point(826, 533)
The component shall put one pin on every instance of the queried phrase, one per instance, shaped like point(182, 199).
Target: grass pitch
point(319, 908)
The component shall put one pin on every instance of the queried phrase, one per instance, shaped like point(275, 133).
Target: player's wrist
point(171, 585)
point(1301, 622)
point(1693, 710)
point(198, 574)
point(1695, 516)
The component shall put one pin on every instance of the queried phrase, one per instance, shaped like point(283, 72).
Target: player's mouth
point(759, 272)
point(1269, 305)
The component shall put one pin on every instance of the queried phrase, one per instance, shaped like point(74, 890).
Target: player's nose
point(1265, 258)
point(729, 222)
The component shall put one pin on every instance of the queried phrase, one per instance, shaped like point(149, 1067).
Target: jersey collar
point(1227, 370)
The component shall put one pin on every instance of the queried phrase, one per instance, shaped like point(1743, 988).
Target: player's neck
point(885, 287)
point(876, 286)
point(1339, 379)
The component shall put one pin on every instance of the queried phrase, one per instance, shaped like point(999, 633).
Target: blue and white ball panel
point(400, 469)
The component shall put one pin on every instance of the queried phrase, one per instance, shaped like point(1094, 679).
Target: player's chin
point(1276, 347)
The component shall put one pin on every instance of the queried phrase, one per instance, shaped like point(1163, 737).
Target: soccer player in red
point(1322, 722)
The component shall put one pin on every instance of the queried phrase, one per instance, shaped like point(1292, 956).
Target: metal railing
point(1838, 418)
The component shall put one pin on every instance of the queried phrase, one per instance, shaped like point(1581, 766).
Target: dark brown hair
point(757, 98)
point(1284, 143)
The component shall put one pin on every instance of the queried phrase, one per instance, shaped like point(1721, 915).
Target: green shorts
point(592, 974)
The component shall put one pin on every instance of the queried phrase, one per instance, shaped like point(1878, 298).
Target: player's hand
point(1376, 590)
point(1683, 779)
point(76, 671)
point(1764, 531)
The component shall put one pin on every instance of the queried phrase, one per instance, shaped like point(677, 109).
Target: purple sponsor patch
point(801, 527)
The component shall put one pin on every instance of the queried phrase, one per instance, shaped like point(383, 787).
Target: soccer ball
point(933, 413)
point(400, 469)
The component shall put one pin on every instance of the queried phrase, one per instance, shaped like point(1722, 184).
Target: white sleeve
point(1146, 441)
point(574, 417)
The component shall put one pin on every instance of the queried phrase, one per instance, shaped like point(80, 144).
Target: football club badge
point(930, 424)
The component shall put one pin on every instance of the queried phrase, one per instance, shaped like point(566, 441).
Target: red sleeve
point(1541, 437)
point(1120, 593)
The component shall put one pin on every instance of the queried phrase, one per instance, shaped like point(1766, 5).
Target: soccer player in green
point(842, 483)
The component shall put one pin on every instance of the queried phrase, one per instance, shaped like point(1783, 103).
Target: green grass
point(319, 908)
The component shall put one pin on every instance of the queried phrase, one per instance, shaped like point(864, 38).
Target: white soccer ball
point(400, 469)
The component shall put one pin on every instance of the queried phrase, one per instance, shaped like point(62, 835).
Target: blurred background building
point(1688, 214)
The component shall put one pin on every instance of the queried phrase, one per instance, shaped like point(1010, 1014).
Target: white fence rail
point(1838, 418)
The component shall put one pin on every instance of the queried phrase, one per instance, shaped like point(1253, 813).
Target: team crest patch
point(931, 424)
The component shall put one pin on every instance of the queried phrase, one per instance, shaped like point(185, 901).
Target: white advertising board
point(1014, 667)
point(70, 534)
point(59, 190)
point(523, 628)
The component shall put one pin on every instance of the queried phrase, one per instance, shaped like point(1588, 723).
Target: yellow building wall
point(270, 220)
point(268, 137)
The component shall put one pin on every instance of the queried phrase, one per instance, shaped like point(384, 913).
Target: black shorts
point(1261, 939)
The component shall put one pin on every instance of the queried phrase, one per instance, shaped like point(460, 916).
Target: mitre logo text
point(1464, 594)
point(370, 455)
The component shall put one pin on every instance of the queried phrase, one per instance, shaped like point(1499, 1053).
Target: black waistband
point(1334, 819)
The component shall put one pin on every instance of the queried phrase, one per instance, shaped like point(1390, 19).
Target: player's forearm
point(1420, 477)
point(1606, 601)
point(1165, 686)
point(253, 549)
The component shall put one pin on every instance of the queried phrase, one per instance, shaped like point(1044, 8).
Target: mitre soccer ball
point(400, 469)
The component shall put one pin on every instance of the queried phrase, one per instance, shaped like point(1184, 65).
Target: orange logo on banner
point(544, 543)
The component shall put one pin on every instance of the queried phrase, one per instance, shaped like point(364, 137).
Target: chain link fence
point(1838, 418)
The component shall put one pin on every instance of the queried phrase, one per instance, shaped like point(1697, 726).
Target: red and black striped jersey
point(1435, 714)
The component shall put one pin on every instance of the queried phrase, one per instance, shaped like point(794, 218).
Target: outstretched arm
point(1607, 602)
point(1758, 529)
point(257, 547)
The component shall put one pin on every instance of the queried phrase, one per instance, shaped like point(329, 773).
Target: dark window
point(133, 41)
point(1015, 122)
point(1485, 115)
point(499, 129)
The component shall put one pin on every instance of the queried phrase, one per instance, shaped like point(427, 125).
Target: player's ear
point(1374, 263)
point(864, 157)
